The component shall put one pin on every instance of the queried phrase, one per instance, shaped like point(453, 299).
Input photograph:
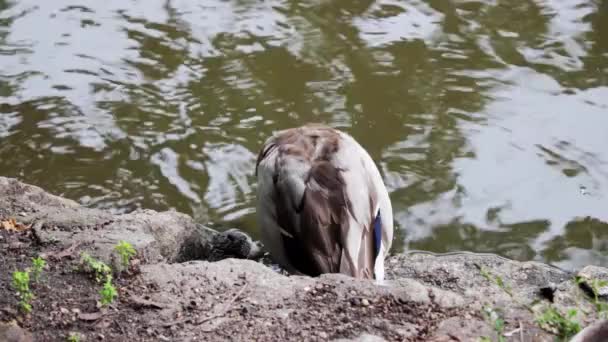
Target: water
point(488, 119)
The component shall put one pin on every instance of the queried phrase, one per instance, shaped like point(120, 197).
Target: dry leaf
point(12, 224)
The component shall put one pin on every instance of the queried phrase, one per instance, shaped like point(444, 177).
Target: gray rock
point(362, 338)
point(180, 280)
point(11, 332)
point(157, 236)
point(18, 197)
point(592, 278)
point(462, 329)
point(463, 273)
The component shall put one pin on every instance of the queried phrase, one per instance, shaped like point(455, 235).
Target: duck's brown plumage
point(596, 332)
point(304, 193)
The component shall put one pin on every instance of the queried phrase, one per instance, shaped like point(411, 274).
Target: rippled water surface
point(488, 119)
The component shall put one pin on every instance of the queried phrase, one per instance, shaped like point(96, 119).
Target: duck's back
point(318, 197)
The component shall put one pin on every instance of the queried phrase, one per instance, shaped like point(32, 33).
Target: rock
point(157, 236)
point(11, 332)
point(18, 196)
point(362, 338)
point(594, 280)
point(462, 273)
point(265, 285)
point(460, 329)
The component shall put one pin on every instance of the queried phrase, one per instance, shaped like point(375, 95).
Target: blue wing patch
point(377, 235)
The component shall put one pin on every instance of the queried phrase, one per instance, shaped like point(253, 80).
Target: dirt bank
point(171, 292)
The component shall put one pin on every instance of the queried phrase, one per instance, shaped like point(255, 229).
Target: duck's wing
point(368, 235)
point(317, 201)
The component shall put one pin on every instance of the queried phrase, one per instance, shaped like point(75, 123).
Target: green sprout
point(498, 324)
point(108, 292)
point(596, 285)
point(99, 268)
point(21, 283)
point(74, 337)
point(496, 279)
point(564, 326)
point(37, 267)
point(126, 252)
point(600, 306)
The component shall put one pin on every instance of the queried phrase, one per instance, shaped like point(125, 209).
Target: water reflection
point(486, 118)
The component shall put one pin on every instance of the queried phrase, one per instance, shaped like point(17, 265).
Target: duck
point(322, 205)
point(596, 332)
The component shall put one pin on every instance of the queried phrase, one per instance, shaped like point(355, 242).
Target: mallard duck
point(322, 206)
point(596, 332)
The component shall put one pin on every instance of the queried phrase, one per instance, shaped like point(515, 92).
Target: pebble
point(365, 302)
point(526, 266)
point(307, 288)
point(323, 335)
point(101, 337)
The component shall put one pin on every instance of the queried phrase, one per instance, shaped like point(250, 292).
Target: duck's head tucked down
point(322, 204)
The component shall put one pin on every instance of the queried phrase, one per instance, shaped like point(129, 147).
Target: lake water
point(488, 119)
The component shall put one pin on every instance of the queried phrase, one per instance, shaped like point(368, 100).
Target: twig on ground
point(141, 302)
point(66, 252)
point(226, 309)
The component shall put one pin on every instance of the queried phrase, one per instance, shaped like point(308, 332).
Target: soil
point(67, 301)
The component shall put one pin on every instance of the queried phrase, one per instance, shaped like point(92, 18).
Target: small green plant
point(21, 283)
point(126, 251)
point(108, 292)
point(564, 326)
point(596, 285)
point(498, 324)
point(74, 337)
point(37, 267)
point(99, 268)
point(102, 271)
point(550, 319)
point(496, 279)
